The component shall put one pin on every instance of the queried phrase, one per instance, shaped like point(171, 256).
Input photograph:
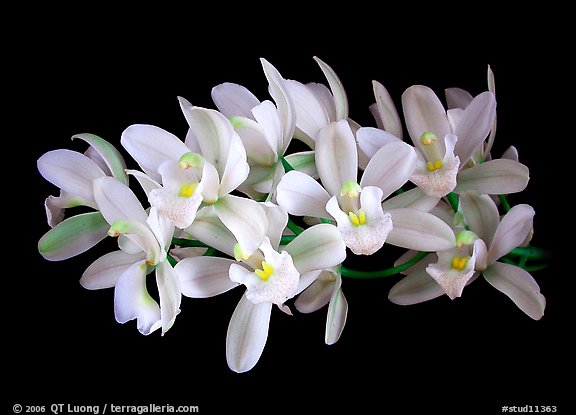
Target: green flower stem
point(453, 200)
point(529, 252)
point(286, 239)
point(210, 252)
point(171, 260)
point(505, 203)
point(287, 166)
point(294, 228)
point(188, 243)
point(388, 272)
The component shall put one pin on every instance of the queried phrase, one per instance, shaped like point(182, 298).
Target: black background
point(478, 352)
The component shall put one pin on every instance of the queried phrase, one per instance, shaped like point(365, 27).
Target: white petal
point(247, 334)
point(481, 214)
point(337, 313)
point(340, 98)
point(181, 211)
point(170, 295)
point(511, 153)
point(147, 183)
point(72, 172)
point(457, 98)
point(202, 277)
point(209, 185)
point(108, 153)
point(301, 195)
point(318, 247)
point(415, 288)
point(307, 279)
point(336, 156)
point(311, 115)
point(277, 220)
point(132, 301)
point(437, 183)
point(279, 92)
point(387, 110)
point(237, 169)
point(390, 168)
point(325, 97)
point(475, 124)
point(499, 176)
point(116, 201)
point(55, 207)
point(519, 286)
point(245, 218)
point(105, 271)
point(161, 227)
point(422, 231)
point(208, 228)
point(317, 295)
point(413, 198)
point(73, 236)
point(423, 112)
point(150, 146)
point(371, 139)
point(141, 235)
point(454, 117)
point(234, 100)
point(511, 232)
point(253, 137)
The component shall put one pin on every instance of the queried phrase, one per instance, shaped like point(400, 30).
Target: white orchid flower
point(357, 207)
point(199, 175)
point(272, 275)
point(74, 173)
point(489, 239)
point(147, 238)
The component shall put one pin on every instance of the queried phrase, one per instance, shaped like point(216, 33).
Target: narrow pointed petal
point(389, 117)
point(475, 124)
point(324, 95)
point(481, 254)
point(170, 295)
point(192, 142)
point(237, 169)
point(390, 168)
point(499, 176)
point(247, 334)
point(132, 301)
point(245, 218)
point(371, 139)
point(423, 111)
point(519, 286)
point(307, 279)
point(105, 271)
point(511, 232)
point(318, 247)
point(422, 231)
point(304, 162)
point(150, 146)
point(161, 227)
point(141, 235)
point(213, 132)
point(117, 202)
point(336, 156)
point(340, 98)
point(147, 183)
point(413, 198)
point(337, 313)
point(203, 277)
point(457, 98)
point(72, 172)
point(279, 92)
point(277, 220)
point(73, 236)
point(301, 195)
point(254, 140)
point(415, 288)
point(481, 214)
point(109, 154)
point(511, 153)
point(311, 115)
point(317, 295)
point(208, 228)
point(234, 100)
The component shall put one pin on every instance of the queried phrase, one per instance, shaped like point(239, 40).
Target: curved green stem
point(294, 228)
point(529, 252)
point(453, 200)
point(388, 272)
point(505, 203)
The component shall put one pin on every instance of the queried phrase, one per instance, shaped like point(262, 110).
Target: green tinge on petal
point(340, 98)
point(73, 236)
point(109, 154)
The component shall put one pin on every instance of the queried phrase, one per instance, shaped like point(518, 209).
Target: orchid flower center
point(432, 150)
point(358, 218)
point(459, 263)
point(191, 160)
point(266, 271)
point(187, 189)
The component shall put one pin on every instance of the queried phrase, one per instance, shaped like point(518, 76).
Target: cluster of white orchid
point(228, 206)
